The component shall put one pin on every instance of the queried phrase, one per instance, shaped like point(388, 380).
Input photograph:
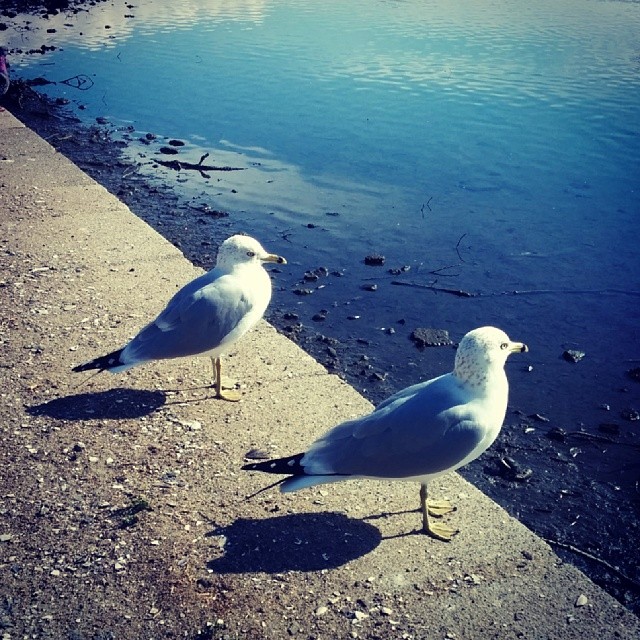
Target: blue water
point(490, 146)
point(491, 112)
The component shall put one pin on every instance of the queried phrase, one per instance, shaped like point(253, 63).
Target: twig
point(178, 165)
point(417, 285)
point(458, 246)
point(590, 556)
point(79, 82)
point(450, 266)
point(516, 292)
point(428, 207)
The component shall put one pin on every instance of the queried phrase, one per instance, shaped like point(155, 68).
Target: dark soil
point(541, 471)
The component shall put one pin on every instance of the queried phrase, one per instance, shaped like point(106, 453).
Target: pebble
point(320, 611)
point(573, 355)
point(424, 337)
point(582, 600)
point(374, 260)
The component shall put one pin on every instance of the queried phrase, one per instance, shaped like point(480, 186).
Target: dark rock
point(431, 337)
point(302, 292)
point(369, 287)
point(168, 151)
point(400, 271)
point(374, 260)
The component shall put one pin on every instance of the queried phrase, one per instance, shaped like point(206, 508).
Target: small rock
point(573, 355)
point(374, 260)
point(632, 415)
point(401, 270)
point(320, 611)
point(176, 143)
point(302, 292)
point(582, 600)
point(256, 454)
point(370, 287)
point(169, 151)
point(539, 417)
point(430, 337)
point(386, 611)
point(5, 537)
point(360, 615)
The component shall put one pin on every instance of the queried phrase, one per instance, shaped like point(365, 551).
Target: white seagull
point(419, 433)
point(207, 316)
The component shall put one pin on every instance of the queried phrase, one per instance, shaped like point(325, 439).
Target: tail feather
point(289, 466)
point(292, 467)
point(110, 362)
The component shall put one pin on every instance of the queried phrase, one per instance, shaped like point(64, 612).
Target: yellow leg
point(230, 395)
point(436, 530)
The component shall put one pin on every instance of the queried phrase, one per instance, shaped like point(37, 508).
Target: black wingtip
point(290, 465)
point(103, 363)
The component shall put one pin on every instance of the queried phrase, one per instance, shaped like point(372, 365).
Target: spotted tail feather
point(289, 466)
point(298, 477)
point(110, 362)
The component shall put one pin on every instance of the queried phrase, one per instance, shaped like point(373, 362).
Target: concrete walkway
point(123, 513)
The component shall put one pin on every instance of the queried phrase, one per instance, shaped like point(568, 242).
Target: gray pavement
point(123, 513)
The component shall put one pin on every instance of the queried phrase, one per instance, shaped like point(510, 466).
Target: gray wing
point(197, 319)
point(421, 433)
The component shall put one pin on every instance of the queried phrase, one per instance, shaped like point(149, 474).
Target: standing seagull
point(206, 316)
point(420, 432)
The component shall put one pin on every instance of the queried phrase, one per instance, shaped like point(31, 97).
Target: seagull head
point(481, 351)
point(240, 249)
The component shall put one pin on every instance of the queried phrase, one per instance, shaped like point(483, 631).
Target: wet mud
point(576, 485)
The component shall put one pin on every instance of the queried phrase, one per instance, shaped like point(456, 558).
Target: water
point(490, 146)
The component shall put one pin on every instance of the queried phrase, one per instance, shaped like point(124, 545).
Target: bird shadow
point(114, 404)
point(296, 542)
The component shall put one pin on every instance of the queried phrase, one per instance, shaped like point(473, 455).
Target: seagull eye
point(251, 254)
point(504, 345)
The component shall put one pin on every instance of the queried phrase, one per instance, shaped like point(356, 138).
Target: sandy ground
point(123, 513)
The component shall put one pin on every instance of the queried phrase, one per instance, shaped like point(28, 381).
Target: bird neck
point(487, 380)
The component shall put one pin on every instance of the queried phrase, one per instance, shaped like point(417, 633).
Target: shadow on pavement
point(298, 542)
point(114, 404)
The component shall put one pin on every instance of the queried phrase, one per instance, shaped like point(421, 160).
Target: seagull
point(207, 316)
point(419, 433)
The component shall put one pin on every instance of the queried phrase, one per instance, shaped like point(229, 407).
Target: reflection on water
point(414, 124)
